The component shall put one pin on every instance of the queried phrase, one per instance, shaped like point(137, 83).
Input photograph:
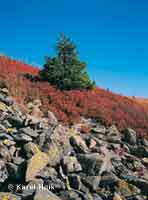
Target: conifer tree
point(66, 71)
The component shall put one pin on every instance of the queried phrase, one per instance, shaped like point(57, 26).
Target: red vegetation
point(68, 106)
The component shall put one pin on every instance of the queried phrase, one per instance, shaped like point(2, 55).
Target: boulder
point(108, 179)
point(113, 131)
point(52, 119)
point(47, 173)
point(75, 182)
point(71, 164)
point(31, 149)
point(29, 131)
point(16, 172)
point(140, 151)
point(93, 164)
point(92, 182)
point(22, 138)
point(70, 195)
point(129, 136)
point(126, 189)
point(9, 196)
point(79, 144)
point(35, 164)
point(58, 145)
point(47, 195)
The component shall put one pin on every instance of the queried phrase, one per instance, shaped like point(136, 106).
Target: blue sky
point(111, 35)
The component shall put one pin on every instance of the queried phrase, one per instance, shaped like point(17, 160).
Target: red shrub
point(68, 106)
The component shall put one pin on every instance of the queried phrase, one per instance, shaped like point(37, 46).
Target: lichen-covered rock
point(31, 149)
point(9, 196)
point(35, 164)
point(127, 189)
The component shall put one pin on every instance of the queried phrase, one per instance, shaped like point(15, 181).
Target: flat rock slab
point(35, 164)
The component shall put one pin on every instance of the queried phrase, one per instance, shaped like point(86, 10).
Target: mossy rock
point(127, 189)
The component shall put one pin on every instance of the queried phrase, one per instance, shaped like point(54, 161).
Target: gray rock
point(15, 120)
point(96, 197)
point(46, 194)
point(70, 195)
point(140, 151)
point(113, 131)
point(31, 187)
point(3, 172)
point(55, 183)
point(129, 136)
point(22, 138)
point(4, 153)
point(91, 163)
point(108, 179)
point(16, 172)
point(58, 145)
point(141, 183)
point(71, 164)
point(29, 131)
point(8, 101)
point(18, 160)
point(92, 182)
point(114, 139)
point(6, 136)
point(75, 182)
point(47, 172)
point(79, 144)
point(99, 130)
point(52, 119)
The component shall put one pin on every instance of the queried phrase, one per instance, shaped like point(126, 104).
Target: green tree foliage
point(66, 71)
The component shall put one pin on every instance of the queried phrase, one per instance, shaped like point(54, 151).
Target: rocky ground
point(42, 160)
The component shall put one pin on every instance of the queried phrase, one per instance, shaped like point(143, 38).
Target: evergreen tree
point(66, 71)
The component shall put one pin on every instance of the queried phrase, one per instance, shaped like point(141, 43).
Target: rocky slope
point(42, 160)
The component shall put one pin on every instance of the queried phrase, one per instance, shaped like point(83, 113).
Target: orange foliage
point(69, 106)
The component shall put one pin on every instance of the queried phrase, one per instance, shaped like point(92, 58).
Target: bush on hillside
point(66, 71)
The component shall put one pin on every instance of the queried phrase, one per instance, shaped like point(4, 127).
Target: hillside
point(69, 106)
point(40, 159)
